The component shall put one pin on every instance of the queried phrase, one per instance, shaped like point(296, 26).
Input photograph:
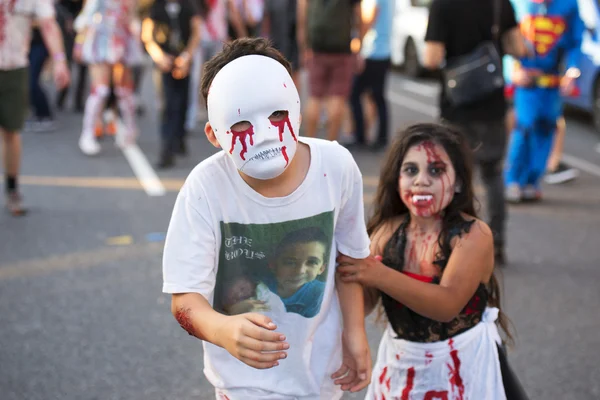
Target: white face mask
point(252, 89)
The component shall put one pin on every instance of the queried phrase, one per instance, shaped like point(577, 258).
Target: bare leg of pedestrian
point(11, 153)
point(335, 112)
point(312, 115)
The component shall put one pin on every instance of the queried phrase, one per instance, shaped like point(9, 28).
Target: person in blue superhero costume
point(300, 258)
point(553, 29)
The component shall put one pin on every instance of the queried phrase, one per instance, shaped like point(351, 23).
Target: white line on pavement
point(419, 88)
point(432, 111)
point(582, 164)
point(411, 104)
point(142, 168)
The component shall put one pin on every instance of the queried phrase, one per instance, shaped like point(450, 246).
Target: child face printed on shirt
point(297, 264)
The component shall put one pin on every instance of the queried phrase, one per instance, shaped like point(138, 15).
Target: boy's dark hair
point(236, 49)
point(304, 235)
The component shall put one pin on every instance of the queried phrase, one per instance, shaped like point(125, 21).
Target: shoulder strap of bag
point(497, 16)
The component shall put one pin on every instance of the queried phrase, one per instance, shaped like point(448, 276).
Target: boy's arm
point(189, 274)
point(248, 337)
point(352, 240)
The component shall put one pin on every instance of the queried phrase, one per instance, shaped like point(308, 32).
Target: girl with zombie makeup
point(108, 40)
point(432, 269)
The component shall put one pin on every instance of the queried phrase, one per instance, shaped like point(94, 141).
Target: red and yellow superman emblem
point(543, 31)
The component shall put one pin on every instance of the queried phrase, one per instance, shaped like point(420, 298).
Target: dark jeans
point(372, 78)
point(39, 101)
point(488, 141)
point(175, 93)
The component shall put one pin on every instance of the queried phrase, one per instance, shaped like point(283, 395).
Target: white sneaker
point(512, 194)
point(89, 145)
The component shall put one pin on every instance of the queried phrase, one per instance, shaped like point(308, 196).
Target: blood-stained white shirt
point(16, 17)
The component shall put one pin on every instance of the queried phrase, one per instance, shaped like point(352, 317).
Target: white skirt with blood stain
point(465, 367)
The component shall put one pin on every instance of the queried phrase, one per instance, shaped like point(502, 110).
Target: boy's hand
point(251, 339)
point(355, 372)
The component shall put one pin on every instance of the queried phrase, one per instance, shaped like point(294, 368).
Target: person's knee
point(100, 90)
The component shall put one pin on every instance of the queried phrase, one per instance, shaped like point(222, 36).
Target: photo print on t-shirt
point(275, 268)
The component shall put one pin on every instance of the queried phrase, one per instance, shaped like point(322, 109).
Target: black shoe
point(166, 160)
point(561, 174)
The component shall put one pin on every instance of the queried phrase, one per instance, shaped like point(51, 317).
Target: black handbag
point(476, 75)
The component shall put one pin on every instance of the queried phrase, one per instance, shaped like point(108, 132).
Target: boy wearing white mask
point(233, 210)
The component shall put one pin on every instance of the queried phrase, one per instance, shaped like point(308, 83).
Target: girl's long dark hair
point(388, 203)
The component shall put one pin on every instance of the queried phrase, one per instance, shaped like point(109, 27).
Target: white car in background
point(408, 35)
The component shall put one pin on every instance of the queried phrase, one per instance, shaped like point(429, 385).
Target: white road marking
point(141, 167)
point(432, 111)
point(582, 164)
point(420, 88)
point(412, 104)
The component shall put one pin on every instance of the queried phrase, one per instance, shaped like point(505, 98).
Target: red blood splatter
point(242, 137)
point(429, 357)
point(410, 382)
point(238, 111)
point(382, 376)
point(183, 317)
point(455, 379)
point(397, 356)
point(325, 175)
point(284, 85)
point(432, 394)
point(284, 152)
point(383, 396)
point(432, 155)
point(388, 383)
point(281, 126)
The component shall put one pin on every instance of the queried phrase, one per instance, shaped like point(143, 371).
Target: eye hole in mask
point(275, 117)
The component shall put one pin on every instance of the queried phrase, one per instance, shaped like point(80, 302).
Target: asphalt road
point(82, 316)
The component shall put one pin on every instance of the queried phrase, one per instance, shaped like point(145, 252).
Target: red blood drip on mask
point(284, 152)
point(281, 126)
point(388, 383)
point(410, 382)
point(432, 394)
point(455, 379)
point(241, 135)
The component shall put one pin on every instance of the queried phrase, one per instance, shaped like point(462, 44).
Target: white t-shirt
point(225, 241)
point(16, 17)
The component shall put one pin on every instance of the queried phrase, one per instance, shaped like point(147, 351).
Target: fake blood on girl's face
point(427, 179)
